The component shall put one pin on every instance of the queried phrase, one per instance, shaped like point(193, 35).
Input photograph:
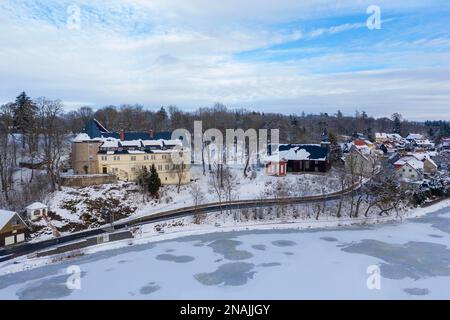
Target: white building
point(36, 210)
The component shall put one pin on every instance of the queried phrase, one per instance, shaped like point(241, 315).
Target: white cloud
point(186, 57)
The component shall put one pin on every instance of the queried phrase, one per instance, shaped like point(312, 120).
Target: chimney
point(150, 133)
point(122, 135)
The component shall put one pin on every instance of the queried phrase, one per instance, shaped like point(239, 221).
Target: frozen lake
point(413, 259)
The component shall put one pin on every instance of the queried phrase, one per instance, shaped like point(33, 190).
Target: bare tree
point(198, 198)
point(54, 138)
point(7, 150)
point(215, 184)
point(229, 183)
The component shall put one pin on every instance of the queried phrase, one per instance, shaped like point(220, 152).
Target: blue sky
point(286, 56)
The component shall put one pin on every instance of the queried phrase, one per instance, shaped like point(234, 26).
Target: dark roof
point(95, 129)
point(315, 151)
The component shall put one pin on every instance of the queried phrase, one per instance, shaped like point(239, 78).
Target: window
point(159, 167)
point(133, 158)
point(145, 157)
point(116, 158)
point(167, 167)
point(104, 158)
point(153, 157)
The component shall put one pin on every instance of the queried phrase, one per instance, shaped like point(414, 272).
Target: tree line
point(37, 131)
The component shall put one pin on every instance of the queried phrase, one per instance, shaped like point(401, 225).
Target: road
point(30, 247)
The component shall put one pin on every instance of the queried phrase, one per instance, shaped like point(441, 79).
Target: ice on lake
point(413, 258)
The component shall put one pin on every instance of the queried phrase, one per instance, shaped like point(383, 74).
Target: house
point(445, 144)
point(429, 166)
point(381, 137)
point(275, 166)
point(125, 154)
point(305, 157)
point(362, 145)
point(419, 161)
point(415, 136)
point(36, 211)
point(359, 163)
point(411, 171)
point(13, 229)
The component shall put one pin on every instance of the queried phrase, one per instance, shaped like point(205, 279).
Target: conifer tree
point(154, 182)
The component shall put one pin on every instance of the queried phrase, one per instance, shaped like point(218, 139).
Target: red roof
point(359, 142)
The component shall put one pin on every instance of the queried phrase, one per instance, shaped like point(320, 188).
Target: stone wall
point(88, 180)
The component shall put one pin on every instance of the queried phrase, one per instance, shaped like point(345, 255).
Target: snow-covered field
point(413, 258)
point(78, 208)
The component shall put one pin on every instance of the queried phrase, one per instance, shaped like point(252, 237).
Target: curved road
point(27, 248)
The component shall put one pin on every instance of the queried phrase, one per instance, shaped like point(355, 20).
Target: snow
point(110, 143)
point(81, 137)
point(36, 206)
point(71, 203)
point(5, 217)
point(295, 154)
point(131, 143)
point(412, 161)
point(267, 264)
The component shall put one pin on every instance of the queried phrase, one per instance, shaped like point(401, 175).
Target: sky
point(285, 56)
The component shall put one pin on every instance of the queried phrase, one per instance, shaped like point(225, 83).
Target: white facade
point(36, 211)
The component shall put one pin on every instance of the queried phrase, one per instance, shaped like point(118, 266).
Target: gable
point(10, 221)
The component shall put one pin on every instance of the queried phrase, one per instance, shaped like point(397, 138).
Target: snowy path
point(413, 257)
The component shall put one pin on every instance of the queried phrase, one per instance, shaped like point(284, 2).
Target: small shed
point(36, 211)
point(13, 229)
point(275, 166)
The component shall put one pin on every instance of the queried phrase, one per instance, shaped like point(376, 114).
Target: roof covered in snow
point(303, 152)
point(36, 206)
point(412, 161)
point(5, 217)
point(415, 136)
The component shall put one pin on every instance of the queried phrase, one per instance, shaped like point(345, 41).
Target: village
point(108, 176)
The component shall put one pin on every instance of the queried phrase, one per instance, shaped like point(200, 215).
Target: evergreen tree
point(143, 178)
point(397, 118)
point(24, 113)
point(154, 182)
point(335, 149)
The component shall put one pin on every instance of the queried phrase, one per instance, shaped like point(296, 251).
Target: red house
point(275, 166)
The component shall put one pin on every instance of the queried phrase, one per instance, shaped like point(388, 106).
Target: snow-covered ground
point(413, 258)
point(78, 208)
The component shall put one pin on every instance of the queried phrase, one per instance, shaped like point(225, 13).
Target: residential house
point(411, 171)
point(445, 144)
point(358, 163)
point(275, 166)
point(381, 137)
point(13, 229)
point(429, 166)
